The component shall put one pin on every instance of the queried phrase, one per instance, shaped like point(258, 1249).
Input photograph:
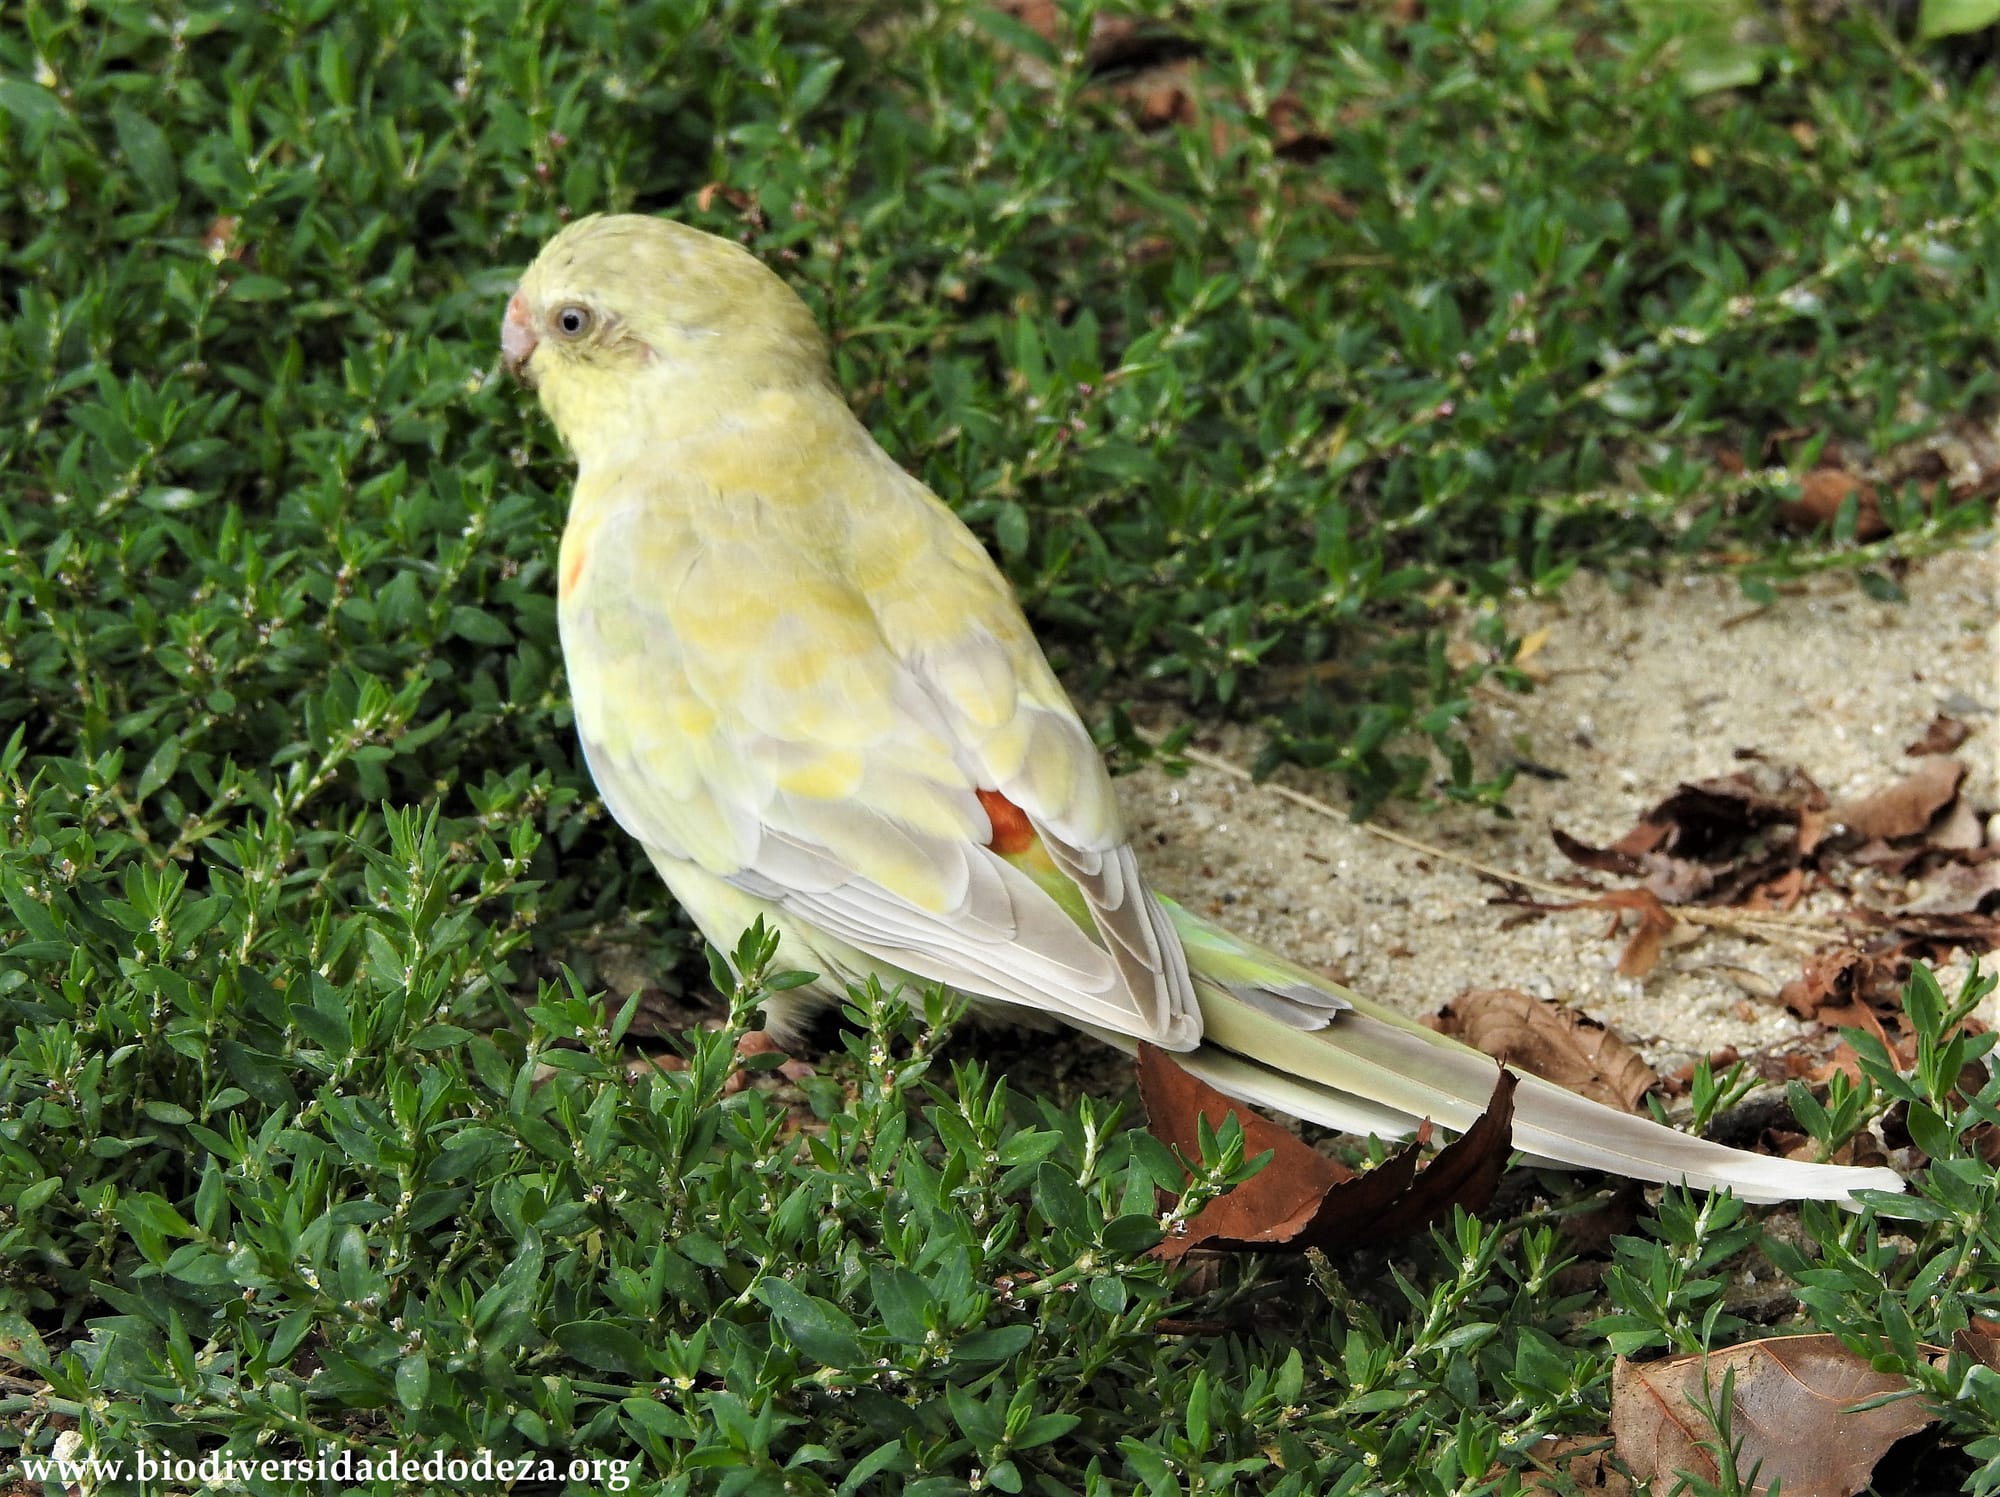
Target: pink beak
point(517, 336)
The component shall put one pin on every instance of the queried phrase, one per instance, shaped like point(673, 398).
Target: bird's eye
point(572, 320)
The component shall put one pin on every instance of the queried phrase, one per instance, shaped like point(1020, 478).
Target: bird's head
point(631, 325)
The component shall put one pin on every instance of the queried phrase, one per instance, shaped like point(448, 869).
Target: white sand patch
point(1644, 690)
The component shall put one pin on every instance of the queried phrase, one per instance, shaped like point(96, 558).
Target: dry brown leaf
point(637, 1066)
point(1926, 936)
point(1269, 1208)
point(1556, 1043)
point(1960, 889)
point(1864, 1017)
point(1906, 807)
point(1781, 893)
point(1642, 952)
point(1575, 1463)
point(1710, 819)
point(1980, 1340)
point(1177, 91)
point(748, 210)
point(1711, 840)
point(1302, 1199)
point(1940, 736)
point(1597, 859)
point(1655, 924)
point(1838, 976)
point(1379, 1207)
point(1793, 1412)
point(1962, 829)
point(1294, 134)
point(1822, 492)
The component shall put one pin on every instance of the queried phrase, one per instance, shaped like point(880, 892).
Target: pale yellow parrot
point(807, 691)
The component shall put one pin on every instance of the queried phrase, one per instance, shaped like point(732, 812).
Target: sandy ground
point(1644, 690)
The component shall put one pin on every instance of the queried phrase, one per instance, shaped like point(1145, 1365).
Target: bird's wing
point(745, 707)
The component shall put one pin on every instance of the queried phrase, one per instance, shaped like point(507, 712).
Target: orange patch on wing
point(1013, 833)
point(573, 571)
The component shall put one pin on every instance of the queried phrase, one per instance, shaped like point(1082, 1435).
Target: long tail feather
point(1279, 1036)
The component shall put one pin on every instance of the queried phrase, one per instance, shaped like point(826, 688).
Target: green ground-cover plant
point(303, 1132)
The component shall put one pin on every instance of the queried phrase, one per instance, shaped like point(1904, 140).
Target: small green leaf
point(995, 1345)
point(605, 1347)
point(413, 1380)
point(817, 1327)
point(479, 626)
point(32, 105)
point(258, 288)
point(159, 769)
point(1010, 530)
point(1936, 18)
point(147, 154)
point(900, 1299)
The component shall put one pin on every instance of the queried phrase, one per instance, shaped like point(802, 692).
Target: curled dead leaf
point(1713, 840)
point(1163, 95)
point(1653, 924)
point(1835, 976)
point(1940, 736)
point(1794, 1412)
point(1959, 830)
point(1302, 1199)
point(1960, 889)
point(1556, 1043)
point(1573, 1464)
point(1906, 807)
point(1597, 859)
point(1781, 893)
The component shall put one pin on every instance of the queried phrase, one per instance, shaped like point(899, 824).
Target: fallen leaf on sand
point(1906, 807)
point(1709, 820)
point(1922, 936)
point(1654, 924)
point(1960, 889)
point(1597, 859)
point(1837, 976)
point(1941, 736)
point(1766, 838)
point(1556, 1043)
point(1781, 893)
point(1302, 1199)
point(1712, 840)
point(1959, 830)
point(1793, 1412)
